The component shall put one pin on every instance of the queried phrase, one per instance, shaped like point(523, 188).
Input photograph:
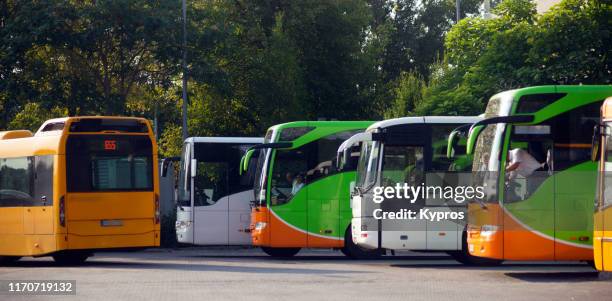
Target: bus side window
point(16, 182)
point(572, 143)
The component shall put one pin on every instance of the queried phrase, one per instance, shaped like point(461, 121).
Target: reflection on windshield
point(372, 168)
point(364, 155)
point(488, 146)
point(184, 181)
point(260, 176)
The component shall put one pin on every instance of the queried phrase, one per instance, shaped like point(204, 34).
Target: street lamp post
point(185, 98)
point(458, 9)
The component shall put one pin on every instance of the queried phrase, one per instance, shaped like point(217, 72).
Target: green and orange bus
point(80, 184)
point(543, 211)
point(302, 199)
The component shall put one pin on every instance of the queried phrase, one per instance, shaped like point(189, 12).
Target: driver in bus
point(298, 183)
point(520, 162)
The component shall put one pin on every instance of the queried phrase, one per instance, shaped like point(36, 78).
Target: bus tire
point(354, 251)
point(70, 258)
point(280, 252)
point(8, 260)
point(464, 256)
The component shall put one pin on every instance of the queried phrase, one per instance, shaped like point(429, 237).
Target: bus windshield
point(364, 155)
point(261, 172)
point(487, 152)
point(184, 178)
point(109, 163)
point(367, 167)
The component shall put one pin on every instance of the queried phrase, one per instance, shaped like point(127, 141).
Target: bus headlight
point(260, 226)
point(488, 230)
point(182, 225)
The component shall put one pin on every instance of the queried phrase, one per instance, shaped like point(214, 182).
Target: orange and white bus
point(80, 184)
point(602, 225)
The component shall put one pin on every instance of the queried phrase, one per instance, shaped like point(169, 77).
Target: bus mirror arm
point(453, 139)
point(477, 127)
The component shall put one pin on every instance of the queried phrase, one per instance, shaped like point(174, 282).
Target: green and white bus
point(532, 152)
point(301, 197)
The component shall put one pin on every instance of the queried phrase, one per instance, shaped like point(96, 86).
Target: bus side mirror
point(194, 167)
point(452, 142)
point(472, 138)
point(166, 163)
point(245, 160)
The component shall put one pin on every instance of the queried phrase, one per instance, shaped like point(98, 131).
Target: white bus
point(411, 150)
point(213, 196)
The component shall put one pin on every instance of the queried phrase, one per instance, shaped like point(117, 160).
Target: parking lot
point(248, 274)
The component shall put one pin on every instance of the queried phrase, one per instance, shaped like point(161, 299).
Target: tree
point(570, 44)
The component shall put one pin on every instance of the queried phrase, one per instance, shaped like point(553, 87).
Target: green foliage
point(408, 95)
point(170, 142)
point(570, 44)
point(33, 116)
point(252, 64)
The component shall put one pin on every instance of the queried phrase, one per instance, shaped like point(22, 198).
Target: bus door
point(444, 172)
point(575, 182)
point(404, 164)
point(43, 195)
point(241, 196)
point(211, 194)
point(328, 192)
point(289, 197)
point(529, 194)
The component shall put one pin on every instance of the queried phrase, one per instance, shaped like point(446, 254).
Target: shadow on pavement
point(321, 258)
point(555, 276)
point(502, 267)
point(187, 266)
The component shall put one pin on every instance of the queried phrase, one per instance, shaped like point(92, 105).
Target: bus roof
point(423, 119)
point(557, 89)
point(246, 140)
point(319, 129)
point(323, 123)
point(48, 139)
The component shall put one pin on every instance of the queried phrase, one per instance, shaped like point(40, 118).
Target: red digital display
point(110, 144)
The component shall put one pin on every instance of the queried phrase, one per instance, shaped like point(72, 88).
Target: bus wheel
point(354, 251)
point(281, 252)
point(71, 258)
point(464, 256)
point(8, 260)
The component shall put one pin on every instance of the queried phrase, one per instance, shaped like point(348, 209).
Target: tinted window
point(99, 125)
point(109, 163)
point(308, 163)
point(16, 182)
point(43, 180)
point(572, 133)
point(218, 173)
point(534, 102)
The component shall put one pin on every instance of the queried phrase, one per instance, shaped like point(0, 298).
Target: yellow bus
point(80, 184)
point(602, 234)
